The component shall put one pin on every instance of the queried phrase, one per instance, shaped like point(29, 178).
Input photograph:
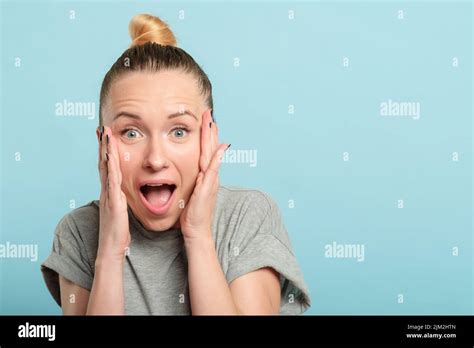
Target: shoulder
point(243, 213)
point(74, 249)
point(232, 198)
point(87, 214)
point(80, 225)
point(251, 215)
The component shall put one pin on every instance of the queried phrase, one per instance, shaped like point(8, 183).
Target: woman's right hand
point(114, 233)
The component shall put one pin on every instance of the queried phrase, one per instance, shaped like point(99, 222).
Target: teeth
point(154, 184)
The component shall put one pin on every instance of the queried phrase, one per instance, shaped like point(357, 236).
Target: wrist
point(109, 260)
point(205, 241)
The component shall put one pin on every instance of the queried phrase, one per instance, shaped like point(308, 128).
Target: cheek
point(186, 159)
point(129, 160)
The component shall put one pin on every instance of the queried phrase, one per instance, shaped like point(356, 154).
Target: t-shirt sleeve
point(261, 240)
point(68, 258)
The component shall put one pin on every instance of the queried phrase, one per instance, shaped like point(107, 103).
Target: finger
point(205, 144)
point(115, 176)
point(214, 137)
point(205, 136)
point(212, 171)
point(199, 178)
point(102, 164)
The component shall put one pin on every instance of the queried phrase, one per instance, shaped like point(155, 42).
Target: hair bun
point(145, 28)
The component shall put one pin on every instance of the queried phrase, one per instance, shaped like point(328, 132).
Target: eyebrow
point(176, 114)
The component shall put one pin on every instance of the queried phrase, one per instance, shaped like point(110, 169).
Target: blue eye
point(179, 131)
point(130, 133)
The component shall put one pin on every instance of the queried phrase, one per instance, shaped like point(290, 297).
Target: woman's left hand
point(197, 216)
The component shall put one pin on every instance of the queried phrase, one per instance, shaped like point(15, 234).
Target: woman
point(165, 237)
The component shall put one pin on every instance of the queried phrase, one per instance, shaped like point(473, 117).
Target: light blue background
point(300, 156)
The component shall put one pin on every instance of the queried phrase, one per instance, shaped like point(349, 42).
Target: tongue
point(158, 196)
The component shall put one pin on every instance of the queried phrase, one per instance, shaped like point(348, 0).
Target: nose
point(155, 157)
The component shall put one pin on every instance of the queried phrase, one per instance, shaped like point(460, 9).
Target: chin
point(160, 225)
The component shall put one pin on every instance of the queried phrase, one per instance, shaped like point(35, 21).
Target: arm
point(256, 293)
point(74, 299)
point(208, 289)
point(107, 295)
point(102, 299)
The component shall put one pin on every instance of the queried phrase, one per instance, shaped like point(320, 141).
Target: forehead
point(155, 92)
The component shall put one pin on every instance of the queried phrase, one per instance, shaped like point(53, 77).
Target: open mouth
point(157, 197)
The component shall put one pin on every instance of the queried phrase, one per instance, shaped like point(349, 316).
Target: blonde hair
point(154, 48)
point(145, 28)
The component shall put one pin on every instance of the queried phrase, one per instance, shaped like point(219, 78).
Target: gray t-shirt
point(248, 232)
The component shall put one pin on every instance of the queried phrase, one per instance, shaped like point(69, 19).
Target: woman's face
point(156, 119)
